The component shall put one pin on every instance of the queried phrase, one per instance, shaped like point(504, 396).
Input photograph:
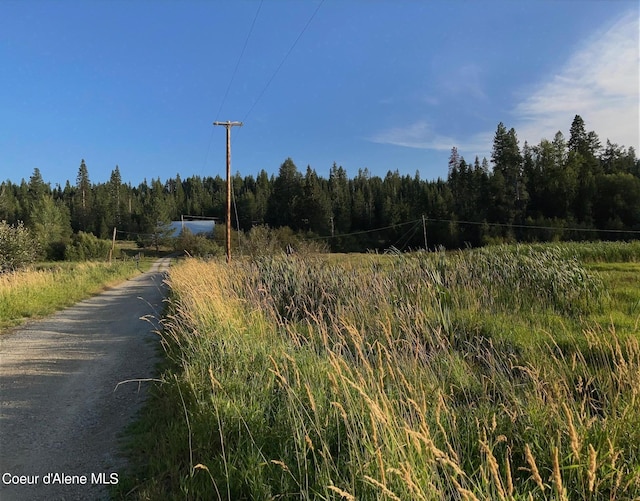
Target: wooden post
point(228, 194)
point(228, 126)
point(113, 244)
point(424, 230)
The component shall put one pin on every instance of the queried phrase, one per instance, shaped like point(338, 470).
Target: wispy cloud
point(600, 82)
point(421, 135)
point(465, 80)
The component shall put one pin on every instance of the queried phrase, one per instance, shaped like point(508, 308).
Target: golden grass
point(34, 293)
point(364, 387)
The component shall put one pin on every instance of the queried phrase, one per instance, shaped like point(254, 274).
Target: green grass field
point(508, 372)
point(48, 287)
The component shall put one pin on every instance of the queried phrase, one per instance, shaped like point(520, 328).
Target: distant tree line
point(556, 190)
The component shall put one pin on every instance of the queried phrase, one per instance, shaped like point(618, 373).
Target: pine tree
point(315, 208)
point(340, 199)
point(115, 188)
point(83, 201)
point(285, 199)
point(507, 162)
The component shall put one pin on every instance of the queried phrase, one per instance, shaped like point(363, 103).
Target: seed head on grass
point(573, 435)
point(281, 464)
point(557, 476)
point(493, 468)
point(405, 474)
point(382, 487)
point(533, 468)
point(591, 472)
point(341, 493)
point(466, 494)
point(510, 488)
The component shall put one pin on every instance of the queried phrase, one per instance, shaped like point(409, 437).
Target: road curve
point(61, 408)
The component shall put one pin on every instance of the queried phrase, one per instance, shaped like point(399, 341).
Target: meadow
point(40, 290)
point(507, 372)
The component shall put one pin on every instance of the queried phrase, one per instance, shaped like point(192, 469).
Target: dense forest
point(558, 189)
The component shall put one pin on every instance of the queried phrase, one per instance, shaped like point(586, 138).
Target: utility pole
point(113, 245)
point(424, 230)
point(228, 126)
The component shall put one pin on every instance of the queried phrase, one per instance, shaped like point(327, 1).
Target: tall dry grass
point(32, 293)
point(304, 379)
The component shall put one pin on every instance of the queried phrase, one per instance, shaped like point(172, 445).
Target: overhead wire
point(264, 89)
point(529, 226)
point(235, 70)
point(362, 232)
point(406, 239)
point(277, 70)
point(226, 93)
point(416, 222)
point(233, 75)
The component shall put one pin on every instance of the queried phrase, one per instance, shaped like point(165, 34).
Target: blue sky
point(379, 84)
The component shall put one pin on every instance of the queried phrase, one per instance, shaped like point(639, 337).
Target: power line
point(408, 238)
point(208, 218)
point(528, 226)
point(283, 60)
point(361, 232)
point(477, 223)
point(235, 70)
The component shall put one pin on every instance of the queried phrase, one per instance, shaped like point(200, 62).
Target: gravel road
point(61, 408)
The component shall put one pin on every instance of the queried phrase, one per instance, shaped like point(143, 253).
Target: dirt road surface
point(62, 411)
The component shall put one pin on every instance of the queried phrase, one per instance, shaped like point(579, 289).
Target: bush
point(197, 245)
point(87, 246)
point(265, 241)
point(18, 248)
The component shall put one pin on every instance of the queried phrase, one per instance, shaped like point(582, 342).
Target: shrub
point(265, 241)
point(196, 245)
point(18, 248)
point(87, 246)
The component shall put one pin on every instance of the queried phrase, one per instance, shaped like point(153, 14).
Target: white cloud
point(466, 80)
point(419, 134)
point(600, 82)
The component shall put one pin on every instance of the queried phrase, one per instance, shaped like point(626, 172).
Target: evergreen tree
point(285, 199)
point(340, 199)
point(315, 208)
point(509, 190)
point(36, 190)
point(583, 148)
point(115, 192)
point(263, 193)
point(156, 218)
point(51, 227)
point(9, 205)
point(577, 136)
point(83, 201)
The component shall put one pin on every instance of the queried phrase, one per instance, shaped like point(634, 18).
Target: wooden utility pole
point(228, 126)
point(424, 230)
point(113, 245)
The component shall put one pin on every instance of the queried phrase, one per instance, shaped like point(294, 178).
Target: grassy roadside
point(35, 293)
point(498, 373)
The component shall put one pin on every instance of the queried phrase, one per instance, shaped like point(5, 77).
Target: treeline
point(558, 189)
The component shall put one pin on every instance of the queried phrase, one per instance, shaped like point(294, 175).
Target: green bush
point(86, 246)
point(18, 248)
point(197, 245)
point(265, 241)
